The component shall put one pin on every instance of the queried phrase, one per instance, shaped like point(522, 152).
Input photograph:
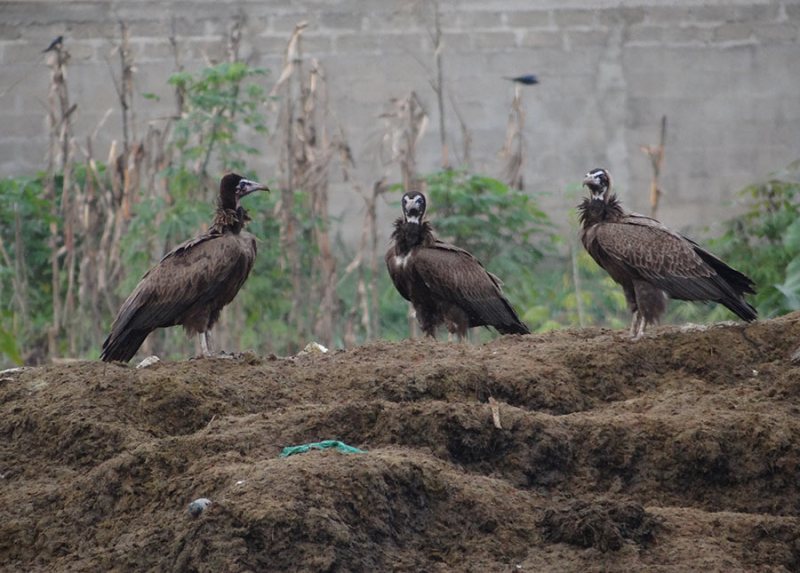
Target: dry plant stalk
point(495, 407)
point(58, 159)
point(125, 90)
point(366, 287)
point(513, 152)
point(466, 136)
point(19, 282)
point(305, 165)
point(372, 305)
point(438, 85)
point(285, 208)
point(656, 155)
point(574, 249)
point(405, 124)
point(317, 149)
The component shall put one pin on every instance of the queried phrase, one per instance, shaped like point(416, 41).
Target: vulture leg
point(651, 303)
point(635, 319)
point(640, 323)
point(204, 339)
point(456, 336)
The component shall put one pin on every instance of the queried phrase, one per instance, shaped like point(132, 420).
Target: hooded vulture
point(652, 262)
point(445, 284)
point(193, 282)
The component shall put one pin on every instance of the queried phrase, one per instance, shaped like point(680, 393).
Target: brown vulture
point(652, 262)
point(191, 283)
point(446, 284)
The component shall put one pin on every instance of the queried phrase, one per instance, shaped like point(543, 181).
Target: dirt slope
point(676, 453)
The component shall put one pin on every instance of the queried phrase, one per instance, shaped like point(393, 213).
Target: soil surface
point(679, 452)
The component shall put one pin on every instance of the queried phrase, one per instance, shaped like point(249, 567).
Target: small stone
point(198, 506)
point(313, 348)
point(13, 370)
point(149, 361)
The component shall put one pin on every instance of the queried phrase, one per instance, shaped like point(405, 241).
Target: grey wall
point(726, 73)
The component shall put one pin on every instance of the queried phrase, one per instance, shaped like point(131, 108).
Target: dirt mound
point(677, 452)
point(605, 525)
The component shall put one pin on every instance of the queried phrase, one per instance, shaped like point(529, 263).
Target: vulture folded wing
point(651, 252)
point(454, 275)
point(188, 245)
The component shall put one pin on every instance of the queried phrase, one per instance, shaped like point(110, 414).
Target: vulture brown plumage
point(193, 282)
point(445, 284)
point(652, 262)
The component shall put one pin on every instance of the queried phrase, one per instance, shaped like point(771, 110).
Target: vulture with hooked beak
point(446, 284)
point(652, 262)
point(193, 282)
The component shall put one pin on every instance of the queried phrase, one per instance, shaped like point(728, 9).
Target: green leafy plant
point(217, 101)
point(503, 227)
point(764, 242)
point(559, 298)
point(25, 270)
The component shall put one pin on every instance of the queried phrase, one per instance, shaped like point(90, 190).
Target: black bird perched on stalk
point(526, 80)
point(446, 284)
point(193, 282)
point(652, 262)
point(54, 45)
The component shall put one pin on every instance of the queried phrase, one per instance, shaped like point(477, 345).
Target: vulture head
point(599, 183)
point(413, 207)
point(233, 187)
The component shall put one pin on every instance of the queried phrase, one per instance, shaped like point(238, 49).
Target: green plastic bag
point(324, 445)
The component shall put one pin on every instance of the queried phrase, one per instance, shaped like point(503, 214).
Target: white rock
point(313, 348)
point(149, 361)
point(198, 506)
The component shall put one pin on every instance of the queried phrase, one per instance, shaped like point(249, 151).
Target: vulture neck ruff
point(593, 212)
point(226, 219)
point(409, 235)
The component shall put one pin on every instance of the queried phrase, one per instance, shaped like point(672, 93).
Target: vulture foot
point(637, 326)
point(204, 345)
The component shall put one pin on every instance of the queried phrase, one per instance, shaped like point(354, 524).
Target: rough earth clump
point(678, 452)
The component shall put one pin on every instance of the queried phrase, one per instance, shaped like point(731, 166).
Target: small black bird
point(526, 80)
point(193, 282)
point(54, 45)
point(446, 284)
point(652, 262)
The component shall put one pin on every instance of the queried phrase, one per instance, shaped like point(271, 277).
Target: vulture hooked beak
point(413, 213)
point(595, 186)
point(245, 187)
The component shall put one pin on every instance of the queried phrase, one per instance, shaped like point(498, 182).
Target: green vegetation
point(25, 272)
point(765, 242)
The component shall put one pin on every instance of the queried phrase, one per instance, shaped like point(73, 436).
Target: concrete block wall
point(725, 72)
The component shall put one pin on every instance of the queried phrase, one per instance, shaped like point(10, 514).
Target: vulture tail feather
point(504, 319)
point(513, 328)
point(733, 286)
point(122, 347)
